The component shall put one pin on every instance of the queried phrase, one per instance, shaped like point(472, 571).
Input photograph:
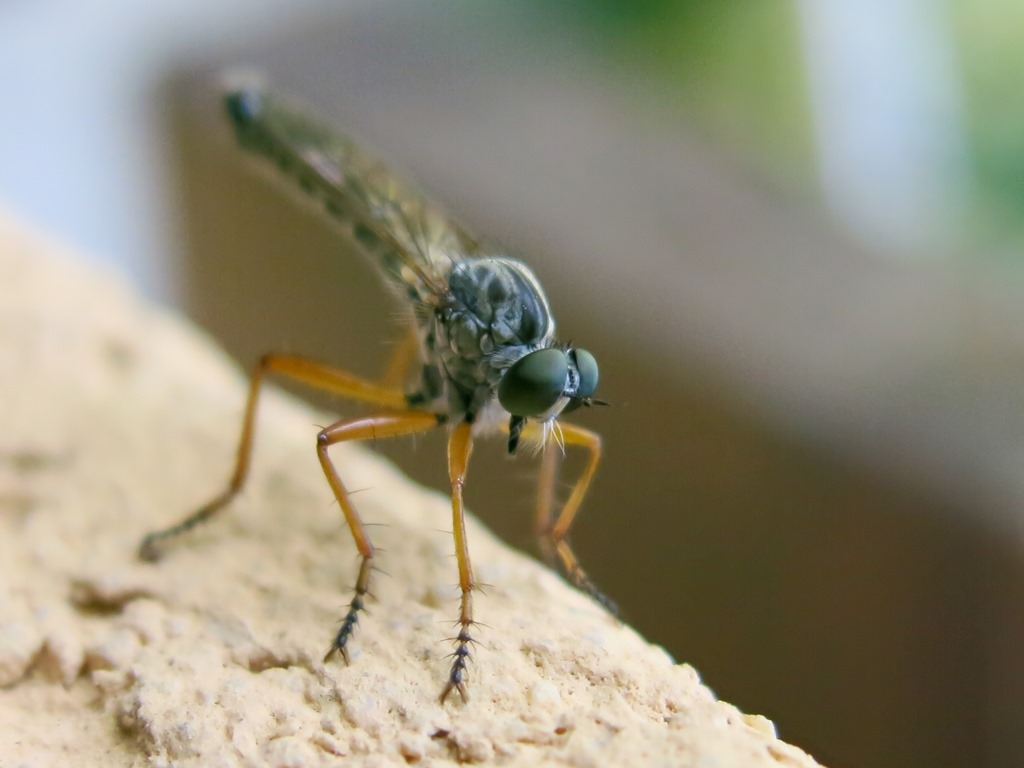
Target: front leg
point(553, 536)
point(460, 446)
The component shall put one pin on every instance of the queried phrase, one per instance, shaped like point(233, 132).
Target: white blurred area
point(889, 121)
point(81, 146)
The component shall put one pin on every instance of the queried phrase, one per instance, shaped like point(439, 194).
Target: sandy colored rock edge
point(118, 418)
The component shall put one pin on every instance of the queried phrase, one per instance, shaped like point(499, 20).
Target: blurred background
point(791, 232)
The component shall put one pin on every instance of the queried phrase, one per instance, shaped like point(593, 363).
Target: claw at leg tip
point(453, 686)
point(148, 550)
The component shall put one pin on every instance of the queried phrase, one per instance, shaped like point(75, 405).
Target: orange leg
point(367, 427)
point(460, 446)
point(554, 537)
point(314, 374)
point(327, 378)
point(547, 482)
point(402, 357)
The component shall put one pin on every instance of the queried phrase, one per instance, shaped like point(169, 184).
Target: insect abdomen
point(358, 193)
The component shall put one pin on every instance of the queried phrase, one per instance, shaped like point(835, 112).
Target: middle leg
point(364, 428)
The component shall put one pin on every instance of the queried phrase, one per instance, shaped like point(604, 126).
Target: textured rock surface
point(116, 418)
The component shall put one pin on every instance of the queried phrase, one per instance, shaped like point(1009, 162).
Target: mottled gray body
point(475, 313)
point(496, 315)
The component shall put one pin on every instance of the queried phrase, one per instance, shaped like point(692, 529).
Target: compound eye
point(586, 364)
point(534, 383)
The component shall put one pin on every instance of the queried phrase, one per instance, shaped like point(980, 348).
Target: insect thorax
point(495, 313)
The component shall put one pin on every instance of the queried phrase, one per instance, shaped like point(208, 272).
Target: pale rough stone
point(20, 641)
point(118, 418)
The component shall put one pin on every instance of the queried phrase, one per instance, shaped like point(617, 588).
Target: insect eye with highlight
point(534, 383)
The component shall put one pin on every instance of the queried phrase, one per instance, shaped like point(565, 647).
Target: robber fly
point(482, 356)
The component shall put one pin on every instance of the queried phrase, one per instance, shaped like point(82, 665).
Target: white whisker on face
point(556, 431)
